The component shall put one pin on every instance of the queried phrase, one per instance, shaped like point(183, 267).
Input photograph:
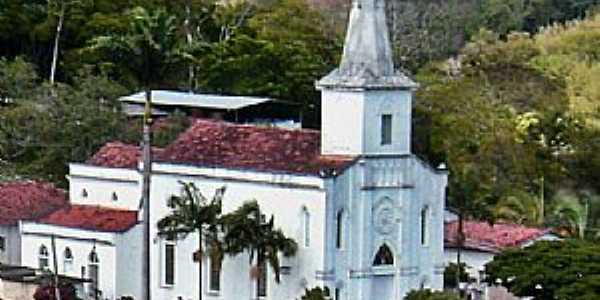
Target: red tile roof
point(235, 146)
point(119, 155)
point(491, 238)
point(28, 201)
point(92, 218)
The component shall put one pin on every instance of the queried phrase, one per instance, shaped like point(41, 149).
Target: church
point(366, 213)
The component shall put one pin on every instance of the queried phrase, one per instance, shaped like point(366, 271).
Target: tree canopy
point(549, 270)
point(508, 98)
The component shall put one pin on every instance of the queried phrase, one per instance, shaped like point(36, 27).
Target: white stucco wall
point(81, 243)
point(283, 195)
point(382, 199)
point(11, 254)
point(342, 122)
point(100, 184)
point(475, 260)
point(351, 121)
point(399, 105)
point(129, 262)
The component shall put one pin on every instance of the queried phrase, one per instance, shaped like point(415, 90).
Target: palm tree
point(149, 49)
point(569, 211)
point(247, 229)
point(469, 197)
point(192, 212)
point(520, 207)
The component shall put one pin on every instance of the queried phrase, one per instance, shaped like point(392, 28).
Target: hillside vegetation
point(509, 92)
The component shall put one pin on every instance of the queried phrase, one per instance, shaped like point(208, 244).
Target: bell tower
point(366, 104)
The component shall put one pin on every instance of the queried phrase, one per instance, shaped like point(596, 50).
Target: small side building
point(483, 241)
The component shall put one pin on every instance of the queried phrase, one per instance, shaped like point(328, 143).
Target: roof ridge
point(98, 206)
point(250, 125)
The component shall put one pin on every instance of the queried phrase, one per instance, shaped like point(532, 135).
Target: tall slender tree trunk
point(147, 157)
point(200, 256)
point(460, 243)
point(259, 272)
point(55, 277)
point(189, 38)
point(542, 202)
point(59, 26)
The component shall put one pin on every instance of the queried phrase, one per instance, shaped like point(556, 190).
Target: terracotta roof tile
point(491, 238)
point(235, 146)
point(28, 201)
point(119, 155)
point(92, 218)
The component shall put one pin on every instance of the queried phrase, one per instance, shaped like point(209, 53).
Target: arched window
point(43, 258)
point(68, 260)
point(114, 196)
point(168, 260)
point(425, 226)
point(306, 227)
point(384, 256)
point(424, 283)
point(84, 193)
point(339, 234)
point(93, 273)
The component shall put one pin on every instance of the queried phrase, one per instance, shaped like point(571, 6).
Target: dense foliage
point(549, 270)
point(450, 275)
point(316, 294)
point(41, 133)
point(514, 115)
point(514, 126)
point(430, 295)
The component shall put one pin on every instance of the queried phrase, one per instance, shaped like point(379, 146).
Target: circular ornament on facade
point(384, 220)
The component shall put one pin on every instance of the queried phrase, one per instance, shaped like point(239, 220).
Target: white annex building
point(366, 213)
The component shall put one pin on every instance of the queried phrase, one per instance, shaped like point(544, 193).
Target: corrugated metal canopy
point(138, 110)
point(173, 98)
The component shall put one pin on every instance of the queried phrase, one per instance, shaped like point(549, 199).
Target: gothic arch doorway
point(383, 280)
point(384, 256)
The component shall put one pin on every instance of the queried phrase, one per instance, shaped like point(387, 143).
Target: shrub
point(430, 295)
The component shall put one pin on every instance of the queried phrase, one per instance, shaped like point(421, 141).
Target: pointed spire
point(367, 59)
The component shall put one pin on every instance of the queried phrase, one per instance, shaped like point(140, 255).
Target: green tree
point(60, 8)
point(167, 129)
point(192, 212)
point(521, 208)
point(279, 52)
point(316, 294)
point(248, 230)
point(571, 212)
point(40, 136)
point(149, 49)
point(430, 295)
point(450, 275)
point(549, 270)
point(17, 79)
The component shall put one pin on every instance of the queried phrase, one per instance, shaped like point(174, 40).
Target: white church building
point(366, 213)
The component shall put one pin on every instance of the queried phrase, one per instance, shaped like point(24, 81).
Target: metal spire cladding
point(367, 58)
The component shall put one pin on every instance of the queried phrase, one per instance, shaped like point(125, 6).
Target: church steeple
point(366, 105)
point(367, 58)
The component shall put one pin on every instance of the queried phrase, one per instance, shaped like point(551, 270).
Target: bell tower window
point(386, 129)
